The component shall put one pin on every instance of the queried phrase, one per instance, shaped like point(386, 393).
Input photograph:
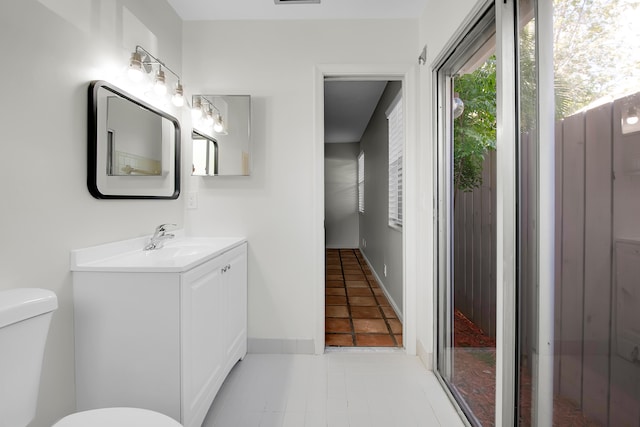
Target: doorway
point(364, 140)
point(407, 76)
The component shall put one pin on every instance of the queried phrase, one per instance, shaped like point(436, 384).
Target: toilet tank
point(25, 315)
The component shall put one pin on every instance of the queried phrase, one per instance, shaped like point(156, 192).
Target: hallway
point(357, 313)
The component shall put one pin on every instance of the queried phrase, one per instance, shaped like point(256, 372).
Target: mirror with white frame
point(221, 124)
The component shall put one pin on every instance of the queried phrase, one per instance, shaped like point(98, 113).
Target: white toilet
point(25, 315)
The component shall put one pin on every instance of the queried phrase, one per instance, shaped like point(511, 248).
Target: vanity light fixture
point(142, 62)
point(208, 117)
point(218, 124)
point(135, 67)
point(160, 87)
point(205, 111)
point(196, 109)
point(178, 95)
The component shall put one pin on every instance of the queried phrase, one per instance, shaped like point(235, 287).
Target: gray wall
point(341, 195)
point(383, 243)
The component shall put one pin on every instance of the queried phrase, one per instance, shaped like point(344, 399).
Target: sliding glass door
point(495, 215)
point(466, 89)
point(538, 194)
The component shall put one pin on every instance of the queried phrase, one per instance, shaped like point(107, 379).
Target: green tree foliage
point(595, 51)
point(595, 55)
point(475, 130)
point(527, 80)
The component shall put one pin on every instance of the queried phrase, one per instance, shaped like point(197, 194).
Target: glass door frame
point(469, 35)
point(507, 215)
point(507, 182)
point(543, 363)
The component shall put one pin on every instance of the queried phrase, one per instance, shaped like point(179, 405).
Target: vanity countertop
point(178, 255)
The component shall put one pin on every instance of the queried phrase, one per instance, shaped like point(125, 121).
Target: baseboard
point(384, 289)
point(281, 346)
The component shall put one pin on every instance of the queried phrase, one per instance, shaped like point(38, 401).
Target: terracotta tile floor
point(357, 313)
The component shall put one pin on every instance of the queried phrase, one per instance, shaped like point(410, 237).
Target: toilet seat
point(121, 417)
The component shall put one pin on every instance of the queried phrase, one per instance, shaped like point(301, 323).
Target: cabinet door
point(127, 341)
point(235, 296)
point(203, 354)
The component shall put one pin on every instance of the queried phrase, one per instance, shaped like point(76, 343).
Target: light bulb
point(135, 67)
point(160, 87)
point(178, 100)
point(218, 125)
point(208, 118)
point(196, 110)
point(178, 96)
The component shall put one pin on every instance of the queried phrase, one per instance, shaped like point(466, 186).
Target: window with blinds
point(361, 183)
point(396, 147)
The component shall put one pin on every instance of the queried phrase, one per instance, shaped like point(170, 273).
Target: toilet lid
point(120, 417)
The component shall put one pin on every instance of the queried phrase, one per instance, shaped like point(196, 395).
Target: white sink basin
point(167, 256)
point(177, 255)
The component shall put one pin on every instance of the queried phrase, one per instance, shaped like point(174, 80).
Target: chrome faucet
point(159, 236)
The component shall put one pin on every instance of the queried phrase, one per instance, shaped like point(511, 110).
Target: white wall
point(51, 49)
point(384, 244)
point(274, 62)
point(438, 24)
point(341, 195)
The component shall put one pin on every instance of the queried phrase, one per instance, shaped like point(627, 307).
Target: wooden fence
point(597, 317)
point(474, 251)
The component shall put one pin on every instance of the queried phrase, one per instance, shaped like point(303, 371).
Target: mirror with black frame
point(134, 148)
point(222, 126)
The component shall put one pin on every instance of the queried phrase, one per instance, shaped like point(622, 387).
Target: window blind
point(395, 117)
point(361, 183)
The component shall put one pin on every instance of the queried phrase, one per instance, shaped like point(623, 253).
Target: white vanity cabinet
point(160, 340)
point(214, 328)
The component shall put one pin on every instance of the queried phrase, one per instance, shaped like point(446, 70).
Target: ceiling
point(207, 10)
point(348, 104)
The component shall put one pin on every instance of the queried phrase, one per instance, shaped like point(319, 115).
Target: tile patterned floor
point(336, 389)
point(357, 313)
